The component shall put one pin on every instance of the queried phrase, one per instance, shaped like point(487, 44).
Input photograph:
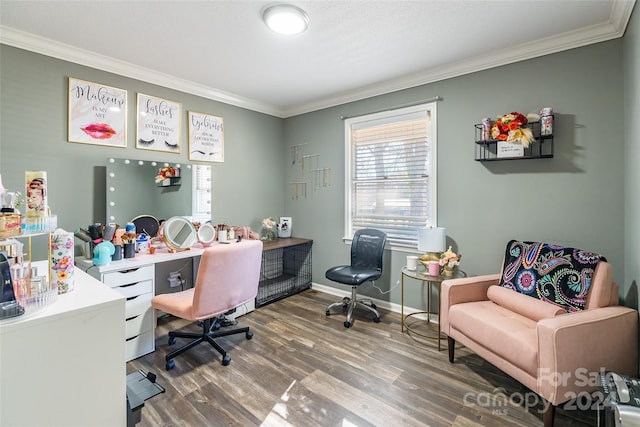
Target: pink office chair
point(227, 278)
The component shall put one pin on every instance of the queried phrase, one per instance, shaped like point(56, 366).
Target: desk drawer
point(135, 289)
point(138, 305)
point(125, 277)
point(140, 345)
point(139, 324)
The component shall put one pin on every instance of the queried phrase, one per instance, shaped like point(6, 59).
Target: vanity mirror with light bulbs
point(134, 189)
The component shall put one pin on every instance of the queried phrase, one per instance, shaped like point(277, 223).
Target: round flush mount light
point(286, 19)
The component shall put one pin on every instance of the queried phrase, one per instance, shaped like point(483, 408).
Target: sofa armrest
point(573, 348)
point(467, 289)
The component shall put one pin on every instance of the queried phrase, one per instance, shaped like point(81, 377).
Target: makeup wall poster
point(97, 114)
point(206, 137)
point(158, 124)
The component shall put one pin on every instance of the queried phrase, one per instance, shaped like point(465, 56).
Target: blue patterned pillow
point(556, 274)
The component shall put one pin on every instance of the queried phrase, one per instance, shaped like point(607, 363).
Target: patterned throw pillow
point(556, 274)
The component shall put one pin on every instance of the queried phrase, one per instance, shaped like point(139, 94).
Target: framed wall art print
point(158, 124)
point(206, 137)
point(97, 114)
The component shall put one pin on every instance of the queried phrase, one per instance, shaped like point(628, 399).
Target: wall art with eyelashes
point(158, 124)
point(206, 137)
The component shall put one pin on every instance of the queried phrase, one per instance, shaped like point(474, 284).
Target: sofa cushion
point(556, 274)
point(531, 308)
point(504, 332)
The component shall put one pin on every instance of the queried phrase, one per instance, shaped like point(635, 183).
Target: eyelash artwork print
point(158, 124)
point(171, 146)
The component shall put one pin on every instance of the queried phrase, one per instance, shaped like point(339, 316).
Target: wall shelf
point(540, 148)
point(170, 182)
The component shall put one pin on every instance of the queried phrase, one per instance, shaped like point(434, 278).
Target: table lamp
point(432, 241)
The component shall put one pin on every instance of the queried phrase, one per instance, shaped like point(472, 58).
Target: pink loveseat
point(555, 353)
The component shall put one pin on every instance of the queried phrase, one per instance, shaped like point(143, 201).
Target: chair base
point(210, 330)
point(351, 303)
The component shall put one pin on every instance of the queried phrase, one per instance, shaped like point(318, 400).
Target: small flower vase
point(448, 271)
point(268, 233)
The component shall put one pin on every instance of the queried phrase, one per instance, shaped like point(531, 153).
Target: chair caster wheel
point(347, 324)
point(373, 306)
point(249, 335)
point(376, 320)
point(170, 365)
point(328, 313)
point(172, 340)
point(226, 360)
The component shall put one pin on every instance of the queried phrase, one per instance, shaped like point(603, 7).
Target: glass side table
point(422, 275)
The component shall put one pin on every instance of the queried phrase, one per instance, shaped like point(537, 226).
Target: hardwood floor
point(303, 368)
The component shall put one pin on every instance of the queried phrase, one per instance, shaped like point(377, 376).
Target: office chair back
point(367, 249)
point(227, 278)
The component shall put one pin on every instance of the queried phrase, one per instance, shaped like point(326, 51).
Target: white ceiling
point(352, 50)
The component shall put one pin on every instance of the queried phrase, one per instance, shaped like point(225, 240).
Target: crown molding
point(31, 42)
point(611, 29)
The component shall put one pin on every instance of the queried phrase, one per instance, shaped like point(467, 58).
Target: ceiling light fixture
point(286, 19)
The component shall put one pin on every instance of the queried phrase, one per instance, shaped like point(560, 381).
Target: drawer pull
point(132, 298)
point(132, 338)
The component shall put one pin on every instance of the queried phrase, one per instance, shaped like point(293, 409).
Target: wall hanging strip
point(312, 161)
point(298, 190)
point(321, 178)
point(424, 101)
point(296, 153)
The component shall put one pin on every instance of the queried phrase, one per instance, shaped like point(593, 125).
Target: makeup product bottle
point(10, 219)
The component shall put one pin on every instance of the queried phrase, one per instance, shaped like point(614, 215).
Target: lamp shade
point(432, 239)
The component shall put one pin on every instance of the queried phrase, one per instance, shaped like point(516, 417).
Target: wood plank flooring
point(303, 368)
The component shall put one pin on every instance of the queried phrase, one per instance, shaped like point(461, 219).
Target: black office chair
point(367, 248)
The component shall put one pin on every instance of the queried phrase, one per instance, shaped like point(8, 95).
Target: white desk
point(135, 277)
point(63, 365)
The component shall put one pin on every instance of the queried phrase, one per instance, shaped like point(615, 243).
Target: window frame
point(203, 189)
point(432, 181)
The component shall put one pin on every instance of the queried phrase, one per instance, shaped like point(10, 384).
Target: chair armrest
point(467, 289)
point(573, 348)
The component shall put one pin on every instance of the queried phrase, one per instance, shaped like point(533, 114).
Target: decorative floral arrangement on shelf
point(449, 260)
point(166, 173)
point(513, 128)
point(269, 229)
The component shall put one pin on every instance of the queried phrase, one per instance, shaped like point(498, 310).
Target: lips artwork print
point(99, 130)
point(97, 113)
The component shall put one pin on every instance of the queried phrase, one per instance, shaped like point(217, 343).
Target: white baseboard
point(396, 308)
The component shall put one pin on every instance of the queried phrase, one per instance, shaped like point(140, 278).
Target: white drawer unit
point(137, 285)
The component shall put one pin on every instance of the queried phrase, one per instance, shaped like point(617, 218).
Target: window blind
point(391, 172)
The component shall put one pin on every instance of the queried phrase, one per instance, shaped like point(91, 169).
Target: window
point(391, 172)
point(201, 193)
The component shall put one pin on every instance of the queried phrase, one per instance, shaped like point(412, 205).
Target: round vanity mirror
point(178, 233)
point(206, 234)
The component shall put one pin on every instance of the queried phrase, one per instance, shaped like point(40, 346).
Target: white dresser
point(63, 365)
point(136, 285)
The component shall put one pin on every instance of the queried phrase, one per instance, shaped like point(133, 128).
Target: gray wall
point(33, 136)
point(631, 54)
point(576, 198)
